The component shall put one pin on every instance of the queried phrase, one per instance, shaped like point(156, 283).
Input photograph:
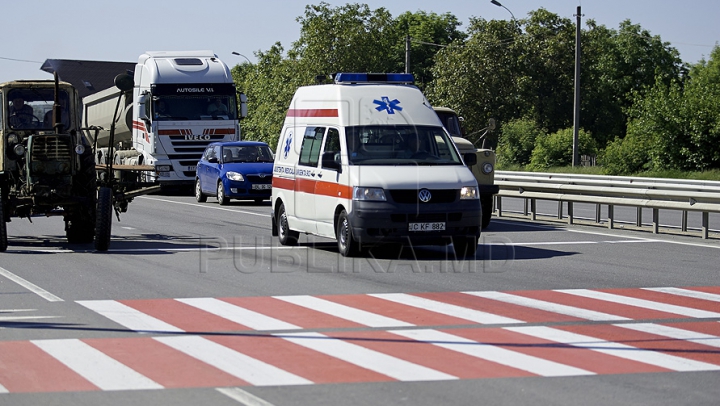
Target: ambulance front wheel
point(347, 245)
point(285, 234)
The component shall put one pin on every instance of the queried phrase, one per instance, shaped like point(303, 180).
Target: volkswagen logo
point(262, 175)
point(424, 195)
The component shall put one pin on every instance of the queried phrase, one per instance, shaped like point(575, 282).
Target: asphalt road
point(197, 304)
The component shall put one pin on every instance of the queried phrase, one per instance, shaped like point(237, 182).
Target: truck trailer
point(181, 101)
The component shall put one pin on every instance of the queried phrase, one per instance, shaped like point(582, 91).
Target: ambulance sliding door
point(331, 187)
point(306, 176)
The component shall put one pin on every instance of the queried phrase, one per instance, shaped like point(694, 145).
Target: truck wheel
point(3, 227)
point(487, 204)
point(465, 247)
point(285, 234)
point(199, 195)
point(221, 196)
point(347, 245)
point(103, 224)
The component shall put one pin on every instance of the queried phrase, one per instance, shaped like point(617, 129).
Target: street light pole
point(576, 115)
point(239, 54)
point(497, 3)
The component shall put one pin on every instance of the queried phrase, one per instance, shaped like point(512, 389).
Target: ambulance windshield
point(400, 145)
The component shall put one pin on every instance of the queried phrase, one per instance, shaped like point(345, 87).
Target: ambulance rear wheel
point(103, 223)
point(199, 195)
point(3, 227)
point(285, 234)
point(347, 246)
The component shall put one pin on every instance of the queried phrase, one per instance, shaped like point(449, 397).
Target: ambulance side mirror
point(470, 159)
point(329, 161)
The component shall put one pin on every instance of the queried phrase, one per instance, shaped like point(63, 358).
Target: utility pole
point(407, 54)
point(576, 115)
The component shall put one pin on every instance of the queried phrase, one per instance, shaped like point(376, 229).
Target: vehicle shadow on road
point(143, 244)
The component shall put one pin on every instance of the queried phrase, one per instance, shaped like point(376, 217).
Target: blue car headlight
point(237, 177)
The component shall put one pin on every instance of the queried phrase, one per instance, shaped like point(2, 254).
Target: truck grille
point(51, 148)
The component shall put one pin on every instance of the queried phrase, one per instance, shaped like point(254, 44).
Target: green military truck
point(484, 170)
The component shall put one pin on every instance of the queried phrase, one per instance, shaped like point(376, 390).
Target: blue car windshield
point(252, 153)
point(400, 145)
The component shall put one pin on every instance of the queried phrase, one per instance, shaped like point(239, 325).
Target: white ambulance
point(366, 161)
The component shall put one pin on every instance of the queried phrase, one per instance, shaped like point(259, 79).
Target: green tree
point(557, 149)
point(517, 142)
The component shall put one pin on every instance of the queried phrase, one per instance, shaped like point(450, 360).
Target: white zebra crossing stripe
point(233, 362)
point(646, 304)
point(237, 314)
point(687, 293)
point(344, 312)
point(659, 359)
point(548, 306)
point(446, 308)
point(364, 357)
point(3, 389)
point(493, 353)
point(673, 332)
point(128, 317)
point(93, 365)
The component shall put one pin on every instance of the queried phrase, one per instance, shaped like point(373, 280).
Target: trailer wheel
point(3, 226)
point(487, 204)
point(103, 224)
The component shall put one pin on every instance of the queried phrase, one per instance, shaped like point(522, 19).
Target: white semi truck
point(181, 102)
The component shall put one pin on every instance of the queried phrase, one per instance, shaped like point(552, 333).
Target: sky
point(101, 30)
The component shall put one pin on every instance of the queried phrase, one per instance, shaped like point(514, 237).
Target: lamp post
point(239, 54)
point(497, 3)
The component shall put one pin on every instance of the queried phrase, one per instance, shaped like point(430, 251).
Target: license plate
point(426, 226)
point(262, 186)
point(192, 168)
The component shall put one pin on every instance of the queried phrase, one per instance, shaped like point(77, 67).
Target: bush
point(628, 155)
point(517, 142)
point(557, 149)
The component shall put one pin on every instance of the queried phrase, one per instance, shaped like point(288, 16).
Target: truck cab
point(484, 170)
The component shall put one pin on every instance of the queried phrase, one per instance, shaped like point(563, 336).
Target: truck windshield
point(31, 109)
point(400, 145)
point(187, 107)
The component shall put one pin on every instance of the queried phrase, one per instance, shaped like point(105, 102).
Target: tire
point(486, 202)
point(465, 247)
point(221, 196)
point(285, 234)
point(347, 246)
point(3, 227)
point(103, 223)
point(199, 195)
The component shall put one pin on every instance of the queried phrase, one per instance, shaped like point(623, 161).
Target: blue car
point(235, 170)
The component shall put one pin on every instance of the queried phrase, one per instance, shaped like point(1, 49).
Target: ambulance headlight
point(487, 168)
point(237, 177)
point(369, 194)
point(469, 193)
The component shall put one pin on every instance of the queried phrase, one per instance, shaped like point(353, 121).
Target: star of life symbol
point(288, 144)
point(388, 105)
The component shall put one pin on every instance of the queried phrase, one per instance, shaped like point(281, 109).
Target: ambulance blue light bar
point(374, 78)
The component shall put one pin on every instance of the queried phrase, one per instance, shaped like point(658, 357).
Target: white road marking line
point(206, 206)
point(499, 355)
point(687, 293)
point(344, 312)
point(547, 306)
point(237, 314)
point(3, 389)
point(93, 365)
point(16, 310)
point(656, 240)
point(244, 397)
point(673, 332)
point(30, 286)
point(642, 303)
point(11, 318)
point(659, 359)
point(528, 244)
point(129, 317)
point(364, 357)
point(446, 308)
point(249, 369)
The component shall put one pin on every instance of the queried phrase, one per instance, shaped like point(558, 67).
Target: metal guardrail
point(653, 193)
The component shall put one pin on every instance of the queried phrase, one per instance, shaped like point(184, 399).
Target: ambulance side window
point(310, 149)
point(332, 141)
